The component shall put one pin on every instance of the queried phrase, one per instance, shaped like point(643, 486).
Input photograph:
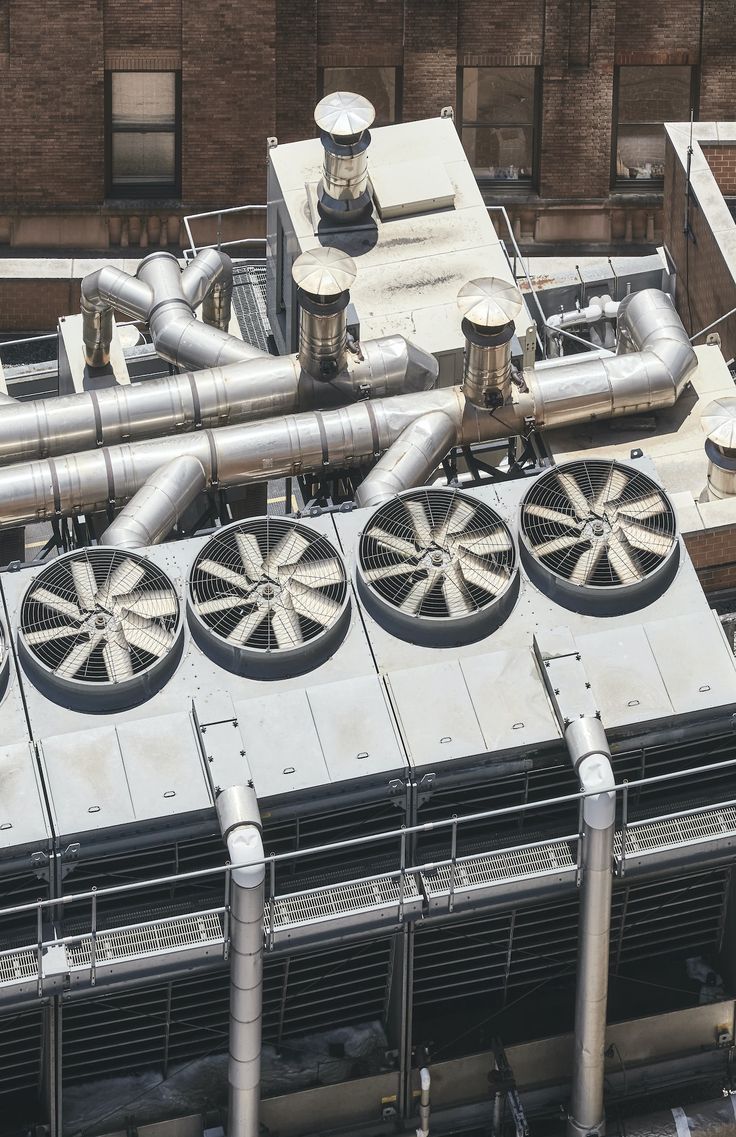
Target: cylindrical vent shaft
point(323, 334)
point(343, 119)
point(719, 420)
point(487, 367)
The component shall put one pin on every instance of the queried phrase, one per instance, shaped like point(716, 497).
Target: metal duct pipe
point(425, 1082)
point(153, 512)
point(417, 451)
point(209, 268)
point(626, 383)
point(103, 290)
point(239, 455)
point(343, 120)
point(323, 278)
point(240, 823)
point(719, 422)
point(590, 754)
point(217, 304)
point(215, 397)
point(489, 307)
point(705, 1119)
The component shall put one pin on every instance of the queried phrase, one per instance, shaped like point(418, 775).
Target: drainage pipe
point(219, 396)
point(417, 451)
point(590, 754)
point(704, 1119)
point(240, 823)
point(153, 512)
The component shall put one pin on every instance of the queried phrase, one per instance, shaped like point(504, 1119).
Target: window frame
point(162, 191)
point(644, 185)
point(398, 82)
point(486, 181)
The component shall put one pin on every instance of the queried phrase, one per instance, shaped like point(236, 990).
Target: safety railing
point(217, 215)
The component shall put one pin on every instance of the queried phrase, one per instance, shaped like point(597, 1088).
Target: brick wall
point(722, 161)
point(713, 553)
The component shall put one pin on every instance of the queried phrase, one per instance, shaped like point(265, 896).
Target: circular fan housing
point(100, 630)
point(437, 567)
point(268, 598)
point(4, 661)
point(599, 537)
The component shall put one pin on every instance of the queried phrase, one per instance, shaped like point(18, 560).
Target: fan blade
point(548, 514)
point(574, 495)
point(476, 571)
point(146, 634)
point(222, 572)
point(250, 555)
point(285, 626)
point(57, 603)
point(621, 561)
point(289, 549)
point(313, 605)
point(396, 544)
point(384, 571)
point(459, 516)
point(124, 578)
point(242, 631)
point(157, 602)
point(587, 563)
point(643, 507)
point(419, 591)
point(116, 655)
point(85, 584)
point(45, 635)
point(319, 574)
point(487, 542)
point(419, 523)
point(645, 539)
point(77, 657)
point(558, 543)
point(456, 595)
point(219, 604)
point(615, 484)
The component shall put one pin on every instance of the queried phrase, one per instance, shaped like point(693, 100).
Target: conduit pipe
point(240, 823)
point(599, 308)
point(164, 298)
point(417, 451)
point(175, 404)
point(590, 755)
point(153, 512)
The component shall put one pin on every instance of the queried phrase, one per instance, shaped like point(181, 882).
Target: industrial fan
point(599, 536)
point(4, 660)
point(437, 567)
point(268, 597)
point(100, 629)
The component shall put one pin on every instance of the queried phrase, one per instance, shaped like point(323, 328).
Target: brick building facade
point(565, 155)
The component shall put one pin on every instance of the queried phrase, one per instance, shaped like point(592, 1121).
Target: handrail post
point(402, 869)
point(453, 864)
point(579, 856)
point(624, 823)
point(39, 945)
point(271, 900)
point(93, 943)
point(226, 915)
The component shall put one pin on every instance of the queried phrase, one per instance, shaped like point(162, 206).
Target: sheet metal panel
point(23, 818)
point(436, 713)
point(163, 766)
point(355, 729)
point(509, 699)
point(86, 779)
point(625, 678)
point(282, 745)
point(694, 661)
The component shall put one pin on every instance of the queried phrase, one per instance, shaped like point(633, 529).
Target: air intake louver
point(100, 629)
point(599, 537)
point(437, 567)
point(268, 598)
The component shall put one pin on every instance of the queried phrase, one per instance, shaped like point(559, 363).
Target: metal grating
point(21, 964)
point(249, 302)
point(342, 900)
point(647, 836)
point(495, 868)
point(147, 939)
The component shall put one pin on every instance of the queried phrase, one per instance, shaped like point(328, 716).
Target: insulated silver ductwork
point(590, 755)
point(417, 451)
point(165, 298)
point(154, 511)
point(240, 824)
point(653, 363)
point(343, 119)
point(489, 307)
point(219, 396)
point(703, 1119)
point(323, 277)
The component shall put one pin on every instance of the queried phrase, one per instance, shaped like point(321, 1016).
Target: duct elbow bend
point(245, 850)
point(409, 462)
point(210, 267)
point(102, 291)
point(591, 756)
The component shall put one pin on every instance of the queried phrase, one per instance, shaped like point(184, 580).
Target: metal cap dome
point(344, 114)
point(489, 302)
point(719, 423)
point(324, 272)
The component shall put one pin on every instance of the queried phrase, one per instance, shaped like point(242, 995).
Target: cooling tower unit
point(599, 537)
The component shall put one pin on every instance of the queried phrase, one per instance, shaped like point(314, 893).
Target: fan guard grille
point(599, 529)
point(440, 563)
point(98, 626)
point(268, 596)
point(4, 660)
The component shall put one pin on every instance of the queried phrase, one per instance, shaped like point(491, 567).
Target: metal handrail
point(219, 214)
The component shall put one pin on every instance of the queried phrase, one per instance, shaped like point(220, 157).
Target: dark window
point(498, 121)
point(647, 97)
point(379, 84)
point(143, 133)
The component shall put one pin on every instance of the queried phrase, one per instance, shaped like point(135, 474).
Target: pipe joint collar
point(237, 805)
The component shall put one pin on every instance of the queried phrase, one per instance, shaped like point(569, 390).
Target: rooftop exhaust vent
point(599, 537)
point(100, 629)
point(268, 598)
point(437, 567)
point(489, 307)
point(343, 119)
point(719, 421)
